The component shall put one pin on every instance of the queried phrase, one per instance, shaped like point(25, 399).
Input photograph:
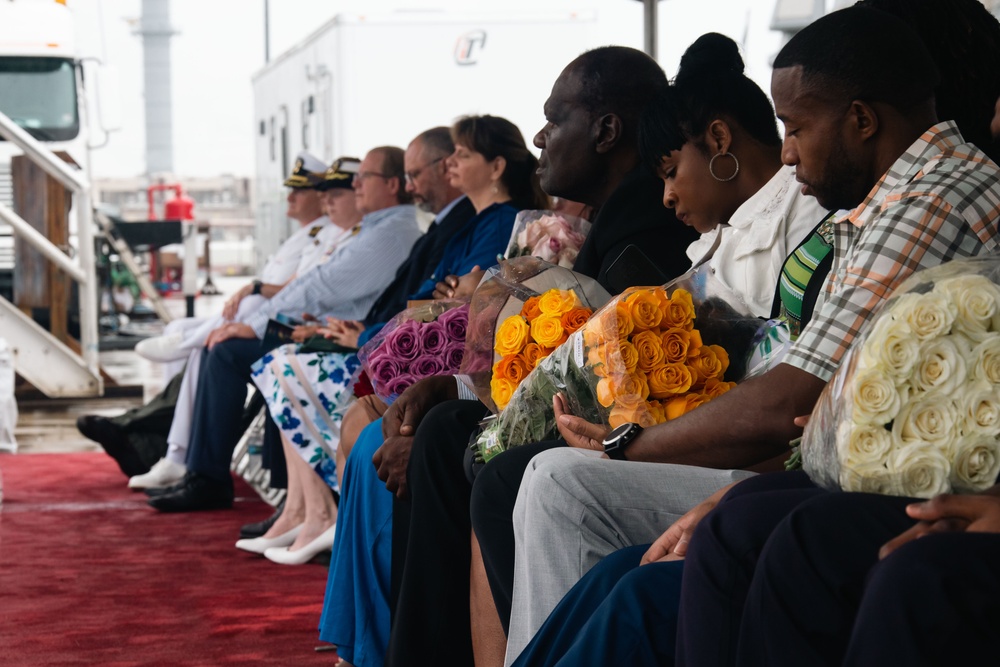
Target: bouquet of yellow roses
point(508, 333)
point(523, 340)
point(914, 408)
point(649, 355)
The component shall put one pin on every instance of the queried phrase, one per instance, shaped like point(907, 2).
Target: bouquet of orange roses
point(508, 333)
point(523, 340)
point(649, 355)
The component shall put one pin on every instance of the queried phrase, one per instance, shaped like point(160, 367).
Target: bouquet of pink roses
point(418, 343)
point(554, 237)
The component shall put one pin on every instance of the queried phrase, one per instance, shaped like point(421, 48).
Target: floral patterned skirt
point(307, 395)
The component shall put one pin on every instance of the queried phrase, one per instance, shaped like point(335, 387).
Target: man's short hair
point(619, 80)
point(437, 140)
point(863, 54)
point(963, 38)
point(392, 167)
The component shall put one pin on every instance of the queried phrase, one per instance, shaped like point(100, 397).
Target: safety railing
point(83, 269)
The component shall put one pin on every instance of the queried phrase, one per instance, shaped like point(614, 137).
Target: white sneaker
point(164, 473)
point(164, 348)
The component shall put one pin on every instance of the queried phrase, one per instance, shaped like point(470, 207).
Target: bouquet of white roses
point(914, 409)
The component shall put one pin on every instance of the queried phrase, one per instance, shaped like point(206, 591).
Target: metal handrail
point(84, 270)
point(38, 241)
point(42, 156)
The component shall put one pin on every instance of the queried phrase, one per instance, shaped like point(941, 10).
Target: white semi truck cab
point(41, 89)
point(44, 108)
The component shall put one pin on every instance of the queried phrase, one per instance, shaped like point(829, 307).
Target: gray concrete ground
point(50, 425)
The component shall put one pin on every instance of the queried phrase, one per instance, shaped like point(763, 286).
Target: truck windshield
point(39, 94)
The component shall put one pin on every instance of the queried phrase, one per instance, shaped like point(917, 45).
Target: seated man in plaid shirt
point(862, 132)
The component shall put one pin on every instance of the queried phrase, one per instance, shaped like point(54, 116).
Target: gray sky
point(221, 44)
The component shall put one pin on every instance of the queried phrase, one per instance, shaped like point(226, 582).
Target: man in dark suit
point(427, 182)
point(589, 154)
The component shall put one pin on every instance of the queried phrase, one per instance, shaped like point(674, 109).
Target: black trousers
point(720, 563)
point(492, 507)
point(784, 573)
point(217, 424)
point(821, 596)
point(148, 425)
point(431, 555)
point(273, 455)
point(431, 536)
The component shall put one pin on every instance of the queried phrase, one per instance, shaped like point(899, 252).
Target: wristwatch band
point(619, 439)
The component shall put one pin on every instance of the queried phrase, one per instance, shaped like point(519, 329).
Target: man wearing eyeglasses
point(424, 164)
point(344, 287)
point(428, 185)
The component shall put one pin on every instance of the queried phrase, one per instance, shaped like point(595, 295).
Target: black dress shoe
point(196, 492)
point(249, 531)
point(112, 438)
point(156, 491)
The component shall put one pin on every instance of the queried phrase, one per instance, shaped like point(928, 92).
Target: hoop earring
point(711, 167)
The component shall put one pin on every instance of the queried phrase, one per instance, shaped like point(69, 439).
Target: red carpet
point(90, 575)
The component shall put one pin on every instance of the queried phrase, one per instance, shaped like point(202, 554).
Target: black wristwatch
point(257, 285)
point(619, 439)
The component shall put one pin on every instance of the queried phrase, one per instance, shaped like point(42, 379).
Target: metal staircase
point(43, 360)
point(40, 357)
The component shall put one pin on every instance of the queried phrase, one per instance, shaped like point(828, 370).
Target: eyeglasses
point(362, 176)
point(415, 174)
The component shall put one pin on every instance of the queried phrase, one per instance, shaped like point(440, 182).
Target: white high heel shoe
point(324, 542)
point(259, 545)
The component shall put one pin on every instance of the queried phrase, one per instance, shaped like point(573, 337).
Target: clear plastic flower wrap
point(553, 237)
point(501, 295)
point(523, 340)
point(914, 408)
point(419, 342)
point(649, 355)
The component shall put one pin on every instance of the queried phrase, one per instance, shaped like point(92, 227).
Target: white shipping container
point(365, 81)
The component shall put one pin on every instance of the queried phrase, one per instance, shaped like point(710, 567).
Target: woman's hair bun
point(711, 54)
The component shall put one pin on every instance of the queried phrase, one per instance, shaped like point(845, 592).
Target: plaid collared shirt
point(939, 201)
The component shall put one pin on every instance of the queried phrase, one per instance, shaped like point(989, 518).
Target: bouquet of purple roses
point(419, 342)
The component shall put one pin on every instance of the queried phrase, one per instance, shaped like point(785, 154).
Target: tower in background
point(156, 33)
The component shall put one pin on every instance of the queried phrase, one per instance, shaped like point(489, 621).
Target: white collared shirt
point(758, 238)
point(283, 264)
point(326, 242)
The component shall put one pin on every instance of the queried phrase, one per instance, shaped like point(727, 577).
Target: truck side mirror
point(107, 99)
